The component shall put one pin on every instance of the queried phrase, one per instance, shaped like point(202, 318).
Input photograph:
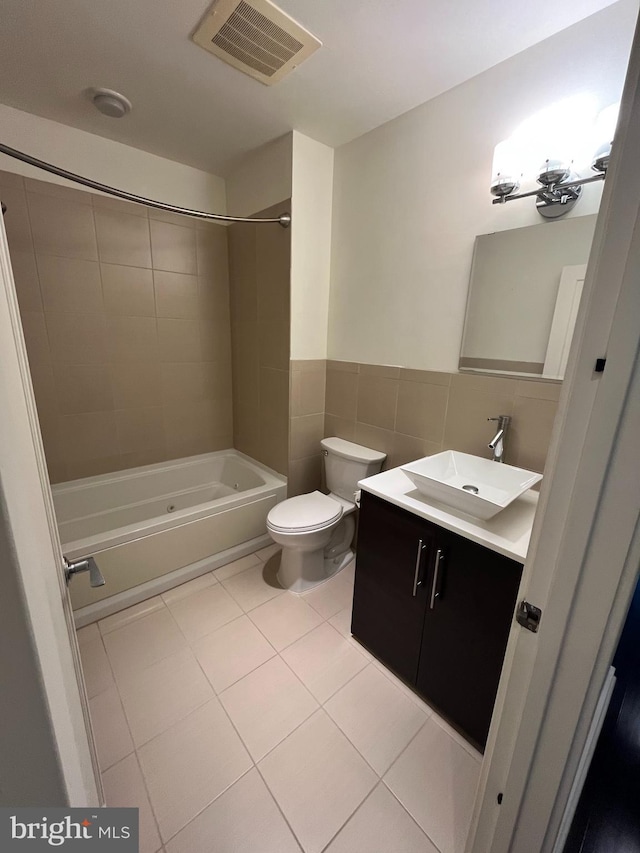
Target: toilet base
point(301, 571)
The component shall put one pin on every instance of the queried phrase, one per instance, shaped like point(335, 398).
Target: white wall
point(262, 178)
point(410, 196)
point(310, 246)
point(104, 160)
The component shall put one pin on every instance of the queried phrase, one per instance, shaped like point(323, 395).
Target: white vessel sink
point(479, 487)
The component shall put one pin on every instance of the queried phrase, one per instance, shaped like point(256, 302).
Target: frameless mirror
point(523, 298)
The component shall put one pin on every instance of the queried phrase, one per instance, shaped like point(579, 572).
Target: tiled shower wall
point(125, 312)
point(259, 270)
point(408, 414)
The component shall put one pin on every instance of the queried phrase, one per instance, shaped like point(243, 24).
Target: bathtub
point(155, 527)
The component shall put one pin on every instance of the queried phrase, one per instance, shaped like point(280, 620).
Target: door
point(28, 522)
point(469, 611)
point(564, 321)
point(393, 555)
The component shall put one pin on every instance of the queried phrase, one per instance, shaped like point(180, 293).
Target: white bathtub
point(154, 527)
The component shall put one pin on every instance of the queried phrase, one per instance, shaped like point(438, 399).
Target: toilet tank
point(345, 463)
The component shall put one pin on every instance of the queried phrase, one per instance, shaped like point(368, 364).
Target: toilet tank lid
point(349, 450)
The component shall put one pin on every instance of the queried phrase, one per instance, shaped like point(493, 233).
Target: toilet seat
point(304, 513)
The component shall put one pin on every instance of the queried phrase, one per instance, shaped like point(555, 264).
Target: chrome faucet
point(498, 441)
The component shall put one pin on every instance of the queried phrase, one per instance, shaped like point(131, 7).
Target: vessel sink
point(479, 487)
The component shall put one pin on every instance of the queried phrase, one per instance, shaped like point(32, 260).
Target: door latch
point(88, 564)
point(529, 616)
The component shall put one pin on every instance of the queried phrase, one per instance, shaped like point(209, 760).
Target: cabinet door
point(393, 556)
point(469, 613)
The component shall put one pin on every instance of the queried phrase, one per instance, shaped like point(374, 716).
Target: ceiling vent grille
point(255, 37)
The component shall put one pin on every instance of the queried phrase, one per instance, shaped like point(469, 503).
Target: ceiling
point(380, 58)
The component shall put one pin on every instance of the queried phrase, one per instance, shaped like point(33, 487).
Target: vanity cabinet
point(436, 608)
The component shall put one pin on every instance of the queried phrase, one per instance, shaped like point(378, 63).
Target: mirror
point(523, 298)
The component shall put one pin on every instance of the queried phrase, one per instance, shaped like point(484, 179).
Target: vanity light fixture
point(563, 138)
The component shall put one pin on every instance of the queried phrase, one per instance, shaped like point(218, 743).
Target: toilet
point(316, 530)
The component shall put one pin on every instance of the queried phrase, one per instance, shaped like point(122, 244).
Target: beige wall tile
point(70, 285)
point(212, 252)
point(246, 426)
point(173, 218)
point(339, 427)
point(384, 370)
point(176, 295)
point(305, 436)
point(178, 340)
point(136, 384)
point(431, 377)
point(44, 390)
point(127, 291)
point(466, 427)
point(485, 384)
point(243, 287)
point(57, 191)
point(406, 448)
point(213, 298)
point(16, 219)
point(78, 470)
point(216, 381)
point(173, 247)
point(421, 410)
point(377, 399)
point(83, 388)
point(91, 435)
point(342, 394)
point(307, 365)
point(538, 390)
point(347, 366)
point(199, 422)
point(307, 392)
point(10, 179)
point(273, 273)
point(274, 344)
point(140, 429)
point(181, 382)
point(215, 340)
point(60, 227)
point(274, 418)
point(530, 432)
point(25, 275)
point(119, 205)
point(245, 360)
point(132, 339)
point(376, 439)
point(305, 475)
point(35, 337)
point(77, 342)
point(123, 238)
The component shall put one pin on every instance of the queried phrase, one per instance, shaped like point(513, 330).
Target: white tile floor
point(241, 718)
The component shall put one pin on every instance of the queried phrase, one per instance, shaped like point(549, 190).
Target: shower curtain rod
point(284, 219)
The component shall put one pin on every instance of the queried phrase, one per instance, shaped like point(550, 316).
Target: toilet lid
point(305, 512)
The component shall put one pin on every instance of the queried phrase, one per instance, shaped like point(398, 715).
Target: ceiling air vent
point(255, 37)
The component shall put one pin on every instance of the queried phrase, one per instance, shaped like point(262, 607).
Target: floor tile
point(333, 595)
point(318, 780)
point(125, 617)
point(165, 692)
point(241, 565)
point(267, 705)
point(464, 743)
point(245, 819)
point(404, 688)
point(143, 642)
point(232, 652)
point(285, 619)
point(381, 825)
point(95, 667)
point(342, 623)
point(269, 551)
point(113, 739)
point(124, 787)
point(324, 661)
point(203, 612)
point(376, 717)
point(186, 589)
point(250, 588)
point(435, 779)
point(191, 764)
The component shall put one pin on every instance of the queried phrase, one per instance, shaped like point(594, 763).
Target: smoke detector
point(110, 103)
point(256, 37)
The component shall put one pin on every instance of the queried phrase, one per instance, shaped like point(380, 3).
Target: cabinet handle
point(434, 585)
point(416, 582)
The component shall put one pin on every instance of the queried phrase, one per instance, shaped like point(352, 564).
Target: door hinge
point(529, 616)
point(599, 366)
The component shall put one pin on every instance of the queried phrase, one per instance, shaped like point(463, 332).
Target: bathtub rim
point(91, 545)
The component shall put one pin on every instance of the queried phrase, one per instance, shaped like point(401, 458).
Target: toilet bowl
point(316, 530)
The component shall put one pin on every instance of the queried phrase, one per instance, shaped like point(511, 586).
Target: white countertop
point(508, 532)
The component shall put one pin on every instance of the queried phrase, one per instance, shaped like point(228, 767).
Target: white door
point(29, 523)
point(564, 321)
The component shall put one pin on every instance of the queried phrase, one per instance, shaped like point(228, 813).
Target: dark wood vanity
point(436, 608)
